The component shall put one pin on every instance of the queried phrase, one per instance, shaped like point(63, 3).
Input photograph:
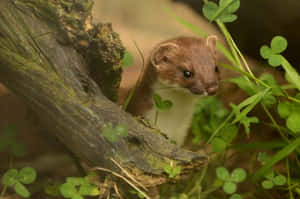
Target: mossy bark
point(66, 69)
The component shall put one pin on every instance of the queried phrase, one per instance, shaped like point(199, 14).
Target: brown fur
point(168, 61)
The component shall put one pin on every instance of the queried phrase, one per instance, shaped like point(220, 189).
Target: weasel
point(181, 70)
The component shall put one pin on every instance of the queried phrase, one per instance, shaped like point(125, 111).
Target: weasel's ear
point(163, 53)
point(211, 41)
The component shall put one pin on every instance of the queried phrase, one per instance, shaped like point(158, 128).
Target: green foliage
point(161, 104)
point(134, 192)
point(272, 53)
point(209, 115)
point(77, 187)
point(272, 180)
point(264, 91)
point(263, 157)
point(231, 180)
point(114, 134)
point(16, 178)
point(8, 140)
point(223, 12)
point(172, 170)
point(127, 59)
point(291, 112)
point(53, 189)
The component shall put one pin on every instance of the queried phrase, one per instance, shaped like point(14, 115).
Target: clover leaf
point(272, 53)
point(161, 104)
point(230, 180)
point(223, 12)
point(77, 187)
point(272, 180)
point(16, 179)
point(290, 112)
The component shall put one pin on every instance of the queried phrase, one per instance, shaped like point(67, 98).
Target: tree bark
point(65, 68)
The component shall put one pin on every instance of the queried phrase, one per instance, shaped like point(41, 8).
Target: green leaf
point(246, 121)
point(278, 44)
point(27, 175)
point(227, 18)
point(277, 157)
point(225, 11)
point(275, 60)
point(291, 74)
point(75, 181)
point(229, 187)
point(272, 82)
point(52, 190)
point(228, 133)
point(263, 157)
point(172, 170)
point(267, 184)
point(9, 177)
point(127, 59)
point(77, 197)
point(269, 175)
point(161, 104)
point(233, 5)
point(279, 180)
point(236, 196)
point(218, 145)
point(238, 175)
point(222, 173)
point(22, 190)
point(284, 109)
point(209, 9)
point(265, 52)
point(245, 85)
point(68, 190)
point(18, 149)
point(293, 122)
point(88, 189)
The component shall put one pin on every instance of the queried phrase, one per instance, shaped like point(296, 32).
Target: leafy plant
point(272, 180)
point(209, 116)
point(272, 53)
point(17, 178)
point(8, 140)
point(77, 187)
point(290, 112)
point(223, 12)
point(161, 104)
point(172, 170)
point(230, 180)
point(113, 134)
point(134, 192)
point(53, 189)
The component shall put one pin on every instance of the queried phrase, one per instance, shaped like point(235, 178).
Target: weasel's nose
point(212, 88)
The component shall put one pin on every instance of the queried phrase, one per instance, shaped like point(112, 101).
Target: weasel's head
point(188, 62)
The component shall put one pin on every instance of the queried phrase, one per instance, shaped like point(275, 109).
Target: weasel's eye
point(187, 74)
point(216, 69)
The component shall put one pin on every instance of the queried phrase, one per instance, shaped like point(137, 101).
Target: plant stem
point(3, 191)
point(289, 178)
point(220, 127)
point(156, 117)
